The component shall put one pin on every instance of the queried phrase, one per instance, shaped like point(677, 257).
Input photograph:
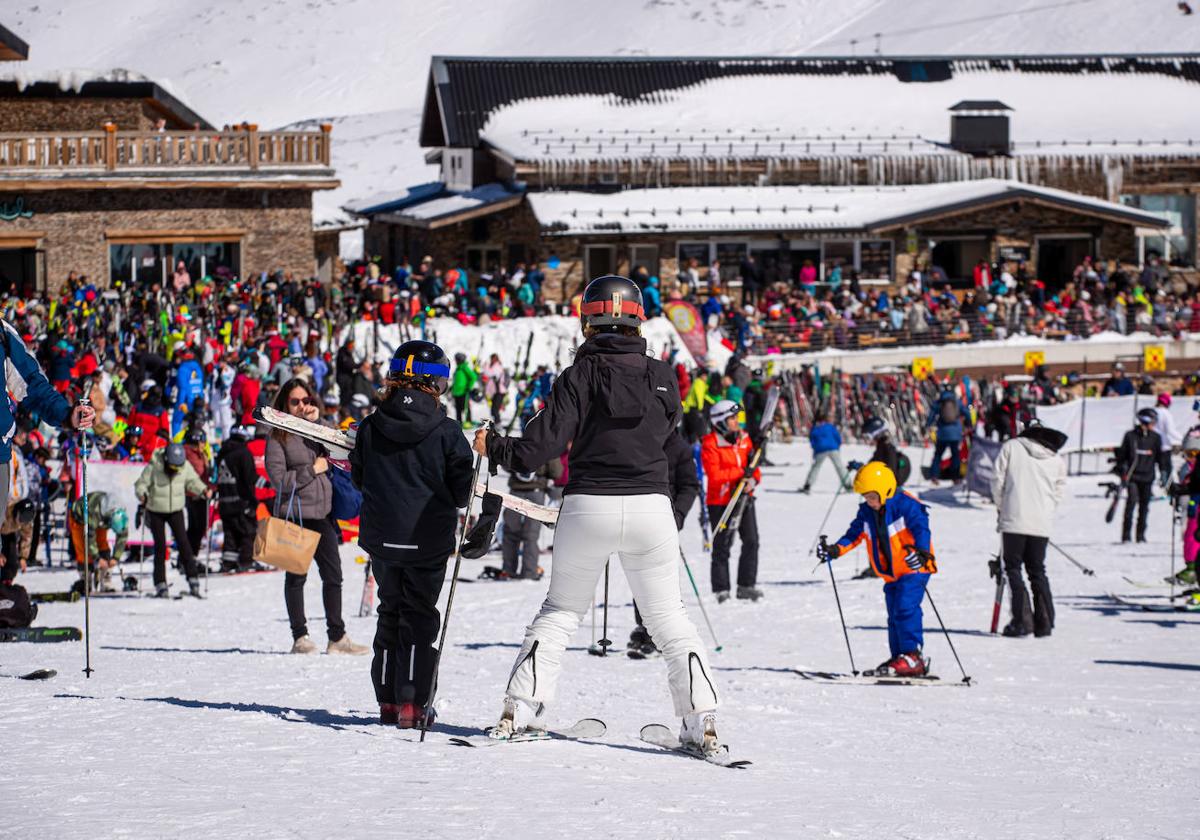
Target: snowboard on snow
point(40, 634)
point(660, 736)
point(586, 728)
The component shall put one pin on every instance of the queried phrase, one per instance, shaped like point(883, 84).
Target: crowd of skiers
point(173, 382)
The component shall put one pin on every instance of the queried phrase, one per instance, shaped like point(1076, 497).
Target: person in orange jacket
point(895, 527)
point(725, 453)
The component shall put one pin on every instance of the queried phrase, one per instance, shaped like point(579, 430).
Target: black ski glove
point(479, 539)
point(854, 465)
point(140, 516)
point(827, 553)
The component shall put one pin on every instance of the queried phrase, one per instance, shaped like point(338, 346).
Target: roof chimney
point(979, 127)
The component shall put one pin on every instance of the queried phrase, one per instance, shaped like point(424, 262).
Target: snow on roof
point(714, 209)
point(430, 202)
point(807, 116)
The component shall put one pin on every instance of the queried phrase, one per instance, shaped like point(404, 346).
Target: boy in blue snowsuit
point(895, 527)
point(826, 444)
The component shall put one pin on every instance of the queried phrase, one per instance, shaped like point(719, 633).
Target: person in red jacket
point(725, 453)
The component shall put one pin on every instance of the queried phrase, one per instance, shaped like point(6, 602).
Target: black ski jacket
point(236, 476)
point(616, 407)
point(414, 468)
point(685, 484)
point(1141, 449)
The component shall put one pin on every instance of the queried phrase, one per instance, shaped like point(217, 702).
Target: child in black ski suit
point(414, 468)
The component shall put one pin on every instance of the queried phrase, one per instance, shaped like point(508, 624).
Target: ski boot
point(698, 734)
point(194, 588)
point(161, 590)
point(1015, 631)
point(865, 574)
point(104, 581)
point(749, 593)
point(911, 664)
point(519, 717)
point(1184, 577)
point(641, 646)
point(389, 714)
point(722, 596)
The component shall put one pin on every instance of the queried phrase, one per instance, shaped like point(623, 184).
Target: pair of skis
point(591, 728)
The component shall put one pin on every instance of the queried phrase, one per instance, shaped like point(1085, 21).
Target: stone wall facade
point(72, 114)
point(75, 227)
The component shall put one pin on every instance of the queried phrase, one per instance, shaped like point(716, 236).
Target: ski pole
point(87, 558)
point(604, 640)
point(699, 600)
point(996, 567)
point(841, 616)
point(437, 659)
point(965, 678)
point(821, 527)
point(1080, 566)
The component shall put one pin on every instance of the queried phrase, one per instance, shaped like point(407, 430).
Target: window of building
point(143, 263)
point(600, 260)
point(18, 270)
point(1175, 245)
point(644, 255)
point(957, 258)
point(731, 255)
point(875, 260)
point(835, 254)
point(482, 258)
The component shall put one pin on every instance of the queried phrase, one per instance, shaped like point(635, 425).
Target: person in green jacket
point(107, 532)
point(162, 489)
point(465, 380)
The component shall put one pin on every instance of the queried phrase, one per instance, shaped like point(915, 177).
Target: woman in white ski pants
point(641, 530)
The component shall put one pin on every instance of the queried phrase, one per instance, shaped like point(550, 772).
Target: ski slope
point(197, 723)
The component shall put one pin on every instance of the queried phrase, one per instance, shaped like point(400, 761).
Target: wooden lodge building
point(872, 163)
point(115, 178)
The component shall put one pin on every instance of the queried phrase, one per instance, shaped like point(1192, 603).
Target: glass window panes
point(875, 259)
point(731, 255)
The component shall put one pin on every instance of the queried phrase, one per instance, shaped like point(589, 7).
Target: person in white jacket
point(1170, 434)
point(1027, 487)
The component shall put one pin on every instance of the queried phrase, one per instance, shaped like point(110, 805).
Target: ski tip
point(40, 674)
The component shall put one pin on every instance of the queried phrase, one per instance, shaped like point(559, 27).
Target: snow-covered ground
point(197, 723)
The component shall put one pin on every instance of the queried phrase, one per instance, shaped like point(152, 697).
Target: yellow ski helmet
point(875, 477)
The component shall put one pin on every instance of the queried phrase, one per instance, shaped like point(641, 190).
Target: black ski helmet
point(873, 427)
point(612, 301)
point(1147, 416)
point(423, 361)
point(460, 357)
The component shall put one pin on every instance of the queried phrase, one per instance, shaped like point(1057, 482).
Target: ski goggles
point(411, 367)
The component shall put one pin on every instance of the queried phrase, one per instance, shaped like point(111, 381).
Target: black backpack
point(16, 610)
point(948, 411)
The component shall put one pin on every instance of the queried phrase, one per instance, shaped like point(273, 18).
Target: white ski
point(868, 678)
point(661, 736)
point(586, 728)
point(336, 441)
point(541, 513)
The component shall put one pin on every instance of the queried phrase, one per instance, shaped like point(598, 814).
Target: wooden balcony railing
point(113, 150)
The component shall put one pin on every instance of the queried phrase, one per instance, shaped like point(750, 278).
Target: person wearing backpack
point(947, 415)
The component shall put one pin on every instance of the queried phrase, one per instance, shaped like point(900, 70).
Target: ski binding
point(661, 736)
point(583, 729)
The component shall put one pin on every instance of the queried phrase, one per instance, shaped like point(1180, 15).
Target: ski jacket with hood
point(236, 476)
point(1027, 486)
point(414, 468)
point(724, 465)
point(901, 522)
point(1142, 450)
point(616, 406)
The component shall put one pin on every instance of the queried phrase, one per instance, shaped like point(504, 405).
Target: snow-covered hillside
point(363, 64)
point(197, 723)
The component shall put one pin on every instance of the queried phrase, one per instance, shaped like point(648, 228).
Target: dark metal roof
point(464, 90)
point(980, 105)
point(167, 103)
point(12, 48)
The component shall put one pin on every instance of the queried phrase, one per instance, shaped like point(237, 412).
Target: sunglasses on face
point(293, 402)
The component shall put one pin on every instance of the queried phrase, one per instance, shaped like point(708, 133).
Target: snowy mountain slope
point(1023, 27)
point(196, 722)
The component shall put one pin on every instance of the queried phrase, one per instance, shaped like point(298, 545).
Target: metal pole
point(813, 547)
point(841, 616)
point(1078, 565)
point(699, 600)
point(965, 678)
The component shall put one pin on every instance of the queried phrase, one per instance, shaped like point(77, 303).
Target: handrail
point(112, 149)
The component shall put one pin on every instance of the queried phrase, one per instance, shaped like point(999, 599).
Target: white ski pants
point(641, 530)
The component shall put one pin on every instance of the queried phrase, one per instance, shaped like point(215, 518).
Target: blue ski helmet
point(423, 361)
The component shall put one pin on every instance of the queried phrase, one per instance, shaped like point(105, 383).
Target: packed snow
point(198, 723)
